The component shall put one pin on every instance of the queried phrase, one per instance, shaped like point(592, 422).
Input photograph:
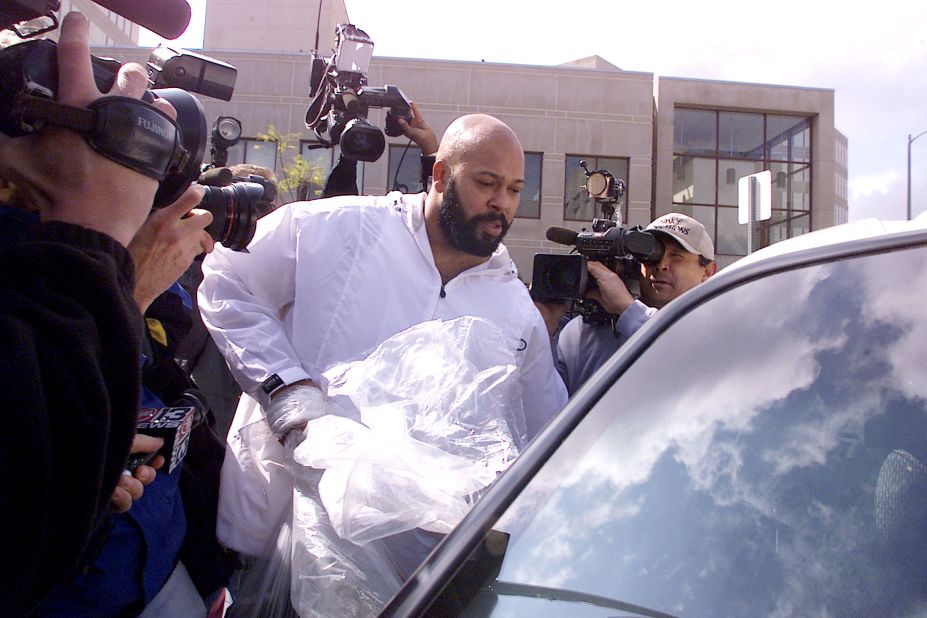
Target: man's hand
point(131, 486)
point(552, 312)
point(612, 294)
point(167, 243)
point(292, 407)
point(57, 169)
point(420, 132)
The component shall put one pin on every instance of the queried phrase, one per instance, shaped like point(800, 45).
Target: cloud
point(870, 184)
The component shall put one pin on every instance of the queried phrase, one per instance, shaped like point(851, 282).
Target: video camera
point(130, 133)
point(341, 98)
point(559, 277)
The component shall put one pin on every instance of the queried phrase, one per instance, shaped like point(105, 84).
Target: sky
point(873, 55)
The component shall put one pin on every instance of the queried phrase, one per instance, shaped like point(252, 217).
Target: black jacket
point(70, 336)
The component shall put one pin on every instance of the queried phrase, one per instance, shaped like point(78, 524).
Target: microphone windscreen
point(561, 235)
point(168, 18)
point(217, 177)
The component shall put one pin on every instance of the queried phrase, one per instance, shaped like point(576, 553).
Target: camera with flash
point(341, 98)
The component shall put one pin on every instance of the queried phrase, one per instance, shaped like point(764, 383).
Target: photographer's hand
point(612, 294)
point(420, 132)
point(57, 169)
point(131, 486)
point(167, 243)
point(552, 312)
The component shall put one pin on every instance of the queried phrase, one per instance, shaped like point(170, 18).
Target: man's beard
point(462, 233)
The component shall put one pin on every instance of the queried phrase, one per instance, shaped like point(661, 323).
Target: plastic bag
point(429, 420)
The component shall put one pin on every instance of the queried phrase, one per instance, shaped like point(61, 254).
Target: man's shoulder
point(356, 209)
point(342, 204)
point(513, 294)
point(391, 202)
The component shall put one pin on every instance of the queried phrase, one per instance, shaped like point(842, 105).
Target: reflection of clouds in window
point(809, 443)
point(548, 535)
point(892, 302)
point(735, 383)
point(692, 413)
point(546, 563)
point(827, 557)
point(744, 427)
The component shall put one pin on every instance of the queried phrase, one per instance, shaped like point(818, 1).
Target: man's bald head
point(478, 176)
point(468, 135)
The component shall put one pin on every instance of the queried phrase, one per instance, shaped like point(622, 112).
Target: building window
point(713, 150)
point(254, 151)
point(320, 166)
point(321, 161)
point(530, 205)
point(405, 169)
point(577, 205)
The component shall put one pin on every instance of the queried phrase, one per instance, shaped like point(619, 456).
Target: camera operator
point(136, 560)
point(687, 261)
point(134, 554)
point(195, 348)
point(72, 336)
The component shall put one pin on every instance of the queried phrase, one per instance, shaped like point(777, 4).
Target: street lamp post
point(910, 141)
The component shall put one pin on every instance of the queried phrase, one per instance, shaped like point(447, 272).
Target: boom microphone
point(168, 18)
point(561, 235)
point(216, 177)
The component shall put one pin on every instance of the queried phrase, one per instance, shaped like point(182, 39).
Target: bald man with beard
point(328, 280)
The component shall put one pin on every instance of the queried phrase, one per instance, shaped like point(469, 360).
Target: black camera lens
point(361, 141)
point(235, 210)
point(564, 281)
point(559, 277)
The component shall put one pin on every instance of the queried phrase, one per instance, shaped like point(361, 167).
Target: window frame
point(593, 164)
point(767, 162)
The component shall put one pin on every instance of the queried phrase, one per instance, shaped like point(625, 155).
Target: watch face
point(271, 384)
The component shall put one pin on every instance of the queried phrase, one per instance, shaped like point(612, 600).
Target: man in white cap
point(688, 260)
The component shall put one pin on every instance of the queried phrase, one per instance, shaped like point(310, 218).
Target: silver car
point(759, 448)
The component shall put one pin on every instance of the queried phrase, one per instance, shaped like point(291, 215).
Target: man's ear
point(440, 174)
point(710, 270)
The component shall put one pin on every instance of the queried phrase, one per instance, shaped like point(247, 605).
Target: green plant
point(297, 170)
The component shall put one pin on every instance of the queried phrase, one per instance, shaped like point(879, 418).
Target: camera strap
point(125, 130)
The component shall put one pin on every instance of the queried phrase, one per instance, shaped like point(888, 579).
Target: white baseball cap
point(687, 231)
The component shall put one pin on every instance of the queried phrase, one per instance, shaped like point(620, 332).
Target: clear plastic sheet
point(425, 423)
point(410, 436)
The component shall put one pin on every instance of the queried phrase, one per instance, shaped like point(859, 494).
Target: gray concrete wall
point(555, 110)
point(272, 25)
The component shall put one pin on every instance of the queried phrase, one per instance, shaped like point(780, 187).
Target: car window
point(765, 456)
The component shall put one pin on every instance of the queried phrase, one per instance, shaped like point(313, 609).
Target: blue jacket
point(138, 553)
point(583, 348)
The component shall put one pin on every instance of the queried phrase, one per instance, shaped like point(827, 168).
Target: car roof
point(865, 228)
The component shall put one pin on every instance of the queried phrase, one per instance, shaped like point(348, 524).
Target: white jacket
point(325, 282)
point(328, 280)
